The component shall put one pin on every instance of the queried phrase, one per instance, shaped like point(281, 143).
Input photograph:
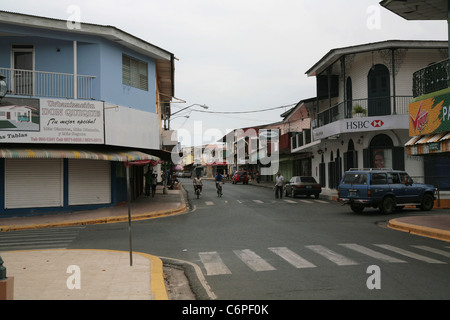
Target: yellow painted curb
point(420, 230)
point(142, 216)
point(157, 283)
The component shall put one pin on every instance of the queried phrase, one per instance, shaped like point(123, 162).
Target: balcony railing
point(48, 84)
point(432, 78)
point(370, 107)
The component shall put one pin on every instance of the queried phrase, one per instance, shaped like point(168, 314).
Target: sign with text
point(430, 115)
point(51, 121)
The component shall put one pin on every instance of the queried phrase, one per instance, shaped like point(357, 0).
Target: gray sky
point(241, 55)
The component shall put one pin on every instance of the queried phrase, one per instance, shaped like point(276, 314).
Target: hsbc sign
point(362, 124)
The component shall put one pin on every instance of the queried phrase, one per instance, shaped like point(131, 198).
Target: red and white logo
point(377, 123)
point(420, 120)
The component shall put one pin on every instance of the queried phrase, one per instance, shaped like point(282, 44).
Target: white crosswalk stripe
point(38, 239)
point(253, 261)
point(258, 201)
point(290, 201)
point(213, 263)
point(332, 256)
point(434, 250)
point(292, 257)
point(371, 253)
point(409, 254)
point(306, 201)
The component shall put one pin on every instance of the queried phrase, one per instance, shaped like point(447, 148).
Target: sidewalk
point(105, 274)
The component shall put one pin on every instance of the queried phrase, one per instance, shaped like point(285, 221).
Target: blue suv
point(385, 189)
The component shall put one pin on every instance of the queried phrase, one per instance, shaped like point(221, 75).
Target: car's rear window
point(308, 179)
point(355, 178)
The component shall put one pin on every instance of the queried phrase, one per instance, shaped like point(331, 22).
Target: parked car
point(387, 190)
point(302, 185)
point(187, 174)
point(240, 176)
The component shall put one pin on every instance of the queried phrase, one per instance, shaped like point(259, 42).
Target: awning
point(430, 143)
point(36, 153)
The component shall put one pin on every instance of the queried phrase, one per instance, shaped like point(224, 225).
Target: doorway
point(23, 65)
point(379, 91)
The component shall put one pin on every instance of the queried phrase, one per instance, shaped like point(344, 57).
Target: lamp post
point(3, 87)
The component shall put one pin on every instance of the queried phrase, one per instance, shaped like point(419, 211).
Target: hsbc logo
point(377, 123)
point(364, 124)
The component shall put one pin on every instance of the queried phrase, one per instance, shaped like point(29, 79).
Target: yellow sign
point(430, 115)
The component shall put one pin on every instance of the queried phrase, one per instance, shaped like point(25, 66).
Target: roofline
point(333, 55)
point(109, 32)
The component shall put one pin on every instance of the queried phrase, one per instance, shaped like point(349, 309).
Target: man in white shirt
point(198, 183)
point(279, 185)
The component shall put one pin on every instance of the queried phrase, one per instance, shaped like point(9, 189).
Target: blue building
point(82, 100)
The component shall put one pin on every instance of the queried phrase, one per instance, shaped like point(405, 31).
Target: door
point(23, 64)
point(379, 91)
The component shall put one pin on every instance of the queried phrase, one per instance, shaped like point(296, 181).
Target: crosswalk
point(265, 201)
point(380, 253)
point(53, 238)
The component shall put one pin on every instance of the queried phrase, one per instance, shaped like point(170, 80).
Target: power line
point(240, 112)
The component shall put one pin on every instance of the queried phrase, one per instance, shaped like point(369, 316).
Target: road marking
point(332, 256)
point(433, 250)
point(258, 201)
point(321, 201)
point(372, 253)
point(409, 254)
point(306, 201)
point(253, 261)
point(213, 263)
point(239, 201)
point(290, 201)
point(292, 258)
point(209, 203)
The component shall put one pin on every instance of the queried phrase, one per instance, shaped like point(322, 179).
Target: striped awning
point(27, 153)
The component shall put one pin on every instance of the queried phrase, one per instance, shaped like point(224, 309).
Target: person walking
point(154, 182)
point(279, 185)
point(148, 181)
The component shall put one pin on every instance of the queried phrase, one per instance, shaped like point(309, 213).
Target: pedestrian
point(154, 182)
point(148, 181)
point(279, 185)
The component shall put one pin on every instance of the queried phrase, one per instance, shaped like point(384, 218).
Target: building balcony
point(32, 83)
point(394, 105)
point(432, 78)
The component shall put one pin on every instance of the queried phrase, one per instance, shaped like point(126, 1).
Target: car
point(302, 185)
point(240, 176)
point(187, 174)
point(385, 189)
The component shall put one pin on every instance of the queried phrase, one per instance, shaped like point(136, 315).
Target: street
point(250, 245)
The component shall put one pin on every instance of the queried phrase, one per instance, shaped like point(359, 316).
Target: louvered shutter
point(33, 183)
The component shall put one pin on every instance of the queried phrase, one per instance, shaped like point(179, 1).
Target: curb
point(142, 216)
point(420, 230)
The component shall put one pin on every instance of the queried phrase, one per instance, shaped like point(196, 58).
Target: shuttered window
point(33, 183)
point(89, 182)
point(134, 73)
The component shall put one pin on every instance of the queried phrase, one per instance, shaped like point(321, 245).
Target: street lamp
point(195, 104)
point(3, 87)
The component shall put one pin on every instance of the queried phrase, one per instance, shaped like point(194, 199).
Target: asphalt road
point(250, 245)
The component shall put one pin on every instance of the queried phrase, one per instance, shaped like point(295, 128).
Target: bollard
point(6, 284)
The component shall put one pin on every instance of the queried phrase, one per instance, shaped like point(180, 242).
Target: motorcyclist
point(198, 183)
point(219, 180)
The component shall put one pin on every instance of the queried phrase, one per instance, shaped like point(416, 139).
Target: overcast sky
point(241, 55)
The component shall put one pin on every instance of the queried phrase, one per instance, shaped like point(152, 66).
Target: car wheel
point(387, 205)
point(316, 196)
point(427, 203)
point(357, 208)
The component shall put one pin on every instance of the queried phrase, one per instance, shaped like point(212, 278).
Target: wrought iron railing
point(48, 84)
point(432, 78)
point(366, 107)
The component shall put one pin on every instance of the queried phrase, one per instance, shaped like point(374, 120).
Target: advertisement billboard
point(430, 115)
point(51, 121)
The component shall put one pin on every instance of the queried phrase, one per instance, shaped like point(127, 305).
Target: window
point(379, 178)
point(134, 73)
point(355, 178)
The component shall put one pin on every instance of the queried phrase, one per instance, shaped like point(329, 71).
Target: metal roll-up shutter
point(33, 183)
point(89, 182)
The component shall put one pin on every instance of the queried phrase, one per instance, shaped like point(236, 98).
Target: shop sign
point(51, 121)
point(430, 115)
